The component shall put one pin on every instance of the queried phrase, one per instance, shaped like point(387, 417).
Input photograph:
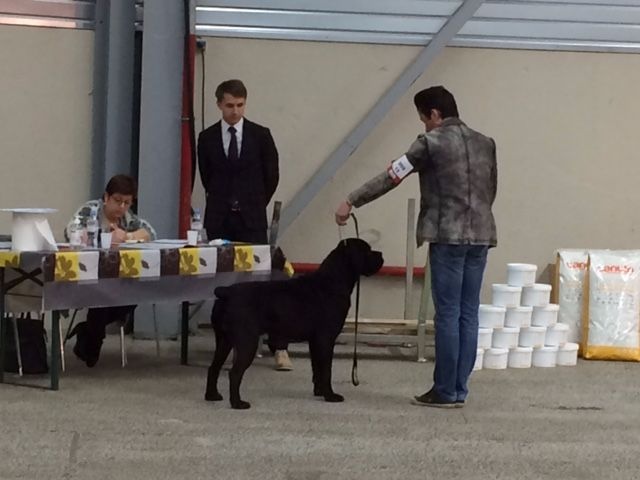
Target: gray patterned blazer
point(458, 183)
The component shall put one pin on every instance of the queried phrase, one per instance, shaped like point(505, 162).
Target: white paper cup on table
point(105, 240)
point(192, 237)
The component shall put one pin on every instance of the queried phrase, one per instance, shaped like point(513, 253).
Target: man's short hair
point(234, 87)
point(122, 184)
point(438, 98)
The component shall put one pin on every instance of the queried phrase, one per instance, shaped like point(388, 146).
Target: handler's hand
point(342, 213)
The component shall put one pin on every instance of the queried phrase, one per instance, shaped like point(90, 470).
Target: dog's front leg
point(243, 358)
point(322, 351)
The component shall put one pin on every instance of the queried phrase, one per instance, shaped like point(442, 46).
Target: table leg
point(55, 349)
point(184, 347)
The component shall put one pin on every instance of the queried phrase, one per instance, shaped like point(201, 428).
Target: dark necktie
point(233, 146)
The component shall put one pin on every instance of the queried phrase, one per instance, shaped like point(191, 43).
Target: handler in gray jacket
point(458, 181)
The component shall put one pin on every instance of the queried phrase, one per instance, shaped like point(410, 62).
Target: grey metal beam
point(329, 168)
point(112, 92)
point(160, 115)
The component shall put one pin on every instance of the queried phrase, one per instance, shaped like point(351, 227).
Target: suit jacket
point(251, 181)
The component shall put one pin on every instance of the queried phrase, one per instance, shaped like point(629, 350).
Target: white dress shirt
point(226, 136)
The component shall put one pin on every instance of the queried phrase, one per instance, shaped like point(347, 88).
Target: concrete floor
point(149, 420)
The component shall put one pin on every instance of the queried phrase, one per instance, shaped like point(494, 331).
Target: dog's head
point(364, 260)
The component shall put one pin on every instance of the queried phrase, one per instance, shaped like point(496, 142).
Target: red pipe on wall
point(186, 157)
point(389, 271)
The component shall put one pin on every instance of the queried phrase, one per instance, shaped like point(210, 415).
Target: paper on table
point(42, 224)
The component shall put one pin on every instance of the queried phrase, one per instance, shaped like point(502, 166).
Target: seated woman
point(113, 216)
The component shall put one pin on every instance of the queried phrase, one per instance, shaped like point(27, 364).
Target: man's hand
point(342, 213)
point(118, 235)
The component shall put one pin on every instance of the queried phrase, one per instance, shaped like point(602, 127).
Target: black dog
point(308, 308)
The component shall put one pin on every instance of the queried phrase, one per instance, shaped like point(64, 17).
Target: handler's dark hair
point(233, 87)
point(436, 98)
point(122, 184)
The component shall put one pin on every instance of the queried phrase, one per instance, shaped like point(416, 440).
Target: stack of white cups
point(520, 328)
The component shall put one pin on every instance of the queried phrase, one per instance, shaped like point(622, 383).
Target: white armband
point(400, 168)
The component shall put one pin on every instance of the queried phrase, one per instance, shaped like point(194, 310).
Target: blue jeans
point(456, 278)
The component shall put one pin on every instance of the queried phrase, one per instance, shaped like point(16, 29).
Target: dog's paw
point(212, 396)
point(333, 398)
point(240, 405)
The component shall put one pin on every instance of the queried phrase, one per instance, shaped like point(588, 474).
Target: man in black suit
point(238, 163)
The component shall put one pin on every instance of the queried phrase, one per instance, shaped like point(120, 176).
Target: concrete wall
point(45, 139)
point(564, 124)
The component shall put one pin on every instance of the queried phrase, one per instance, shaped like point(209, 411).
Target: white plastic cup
point(520, 357)
point(105, 240)
point(545, 316)
point(506, 337)
point(532, 336)
point(192, 237)
point(484, 338)
point(568, 355)
point(536, 295)
point(518, 317)
point(495, 358)
point(505, 295)
point(490, 316)
point(521, 274)
point(556, 335)
point(544, 357)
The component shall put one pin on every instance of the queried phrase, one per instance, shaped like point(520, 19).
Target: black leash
point(354, 368)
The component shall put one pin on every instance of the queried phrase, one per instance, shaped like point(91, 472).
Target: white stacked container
point(518, 316)
point(544, 357)
point(520, 357)
point(491, 316)
point(484, 337)
point(568, 355)
point(506, 295)
point(545, 316)
point(532, 336)
point(556, 335)
point(536, 295)
point(521, 274)
point(479, 358)
point(495, 358)
point(505, 337)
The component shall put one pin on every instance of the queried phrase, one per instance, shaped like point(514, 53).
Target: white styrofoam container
point(485, 336)
point(479, 358)
point(521, 274)
point(518, 316)
point(491, 316)
point(505, 295)
point(505, 337)
point(545, 316)
point(495, 358)
point(544, 357)
point(520, 357)
point(536, 295)
point(556, 335)
point(568, 355)
point(532, 336)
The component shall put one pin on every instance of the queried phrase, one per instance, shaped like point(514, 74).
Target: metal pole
point(411, 248)
point(184, 340)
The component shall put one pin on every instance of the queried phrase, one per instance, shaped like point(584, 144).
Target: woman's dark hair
point(436, 98)
point(234, 87)
point(122, 184)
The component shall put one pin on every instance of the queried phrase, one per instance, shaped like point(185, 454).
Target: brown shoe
point(283, 364)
